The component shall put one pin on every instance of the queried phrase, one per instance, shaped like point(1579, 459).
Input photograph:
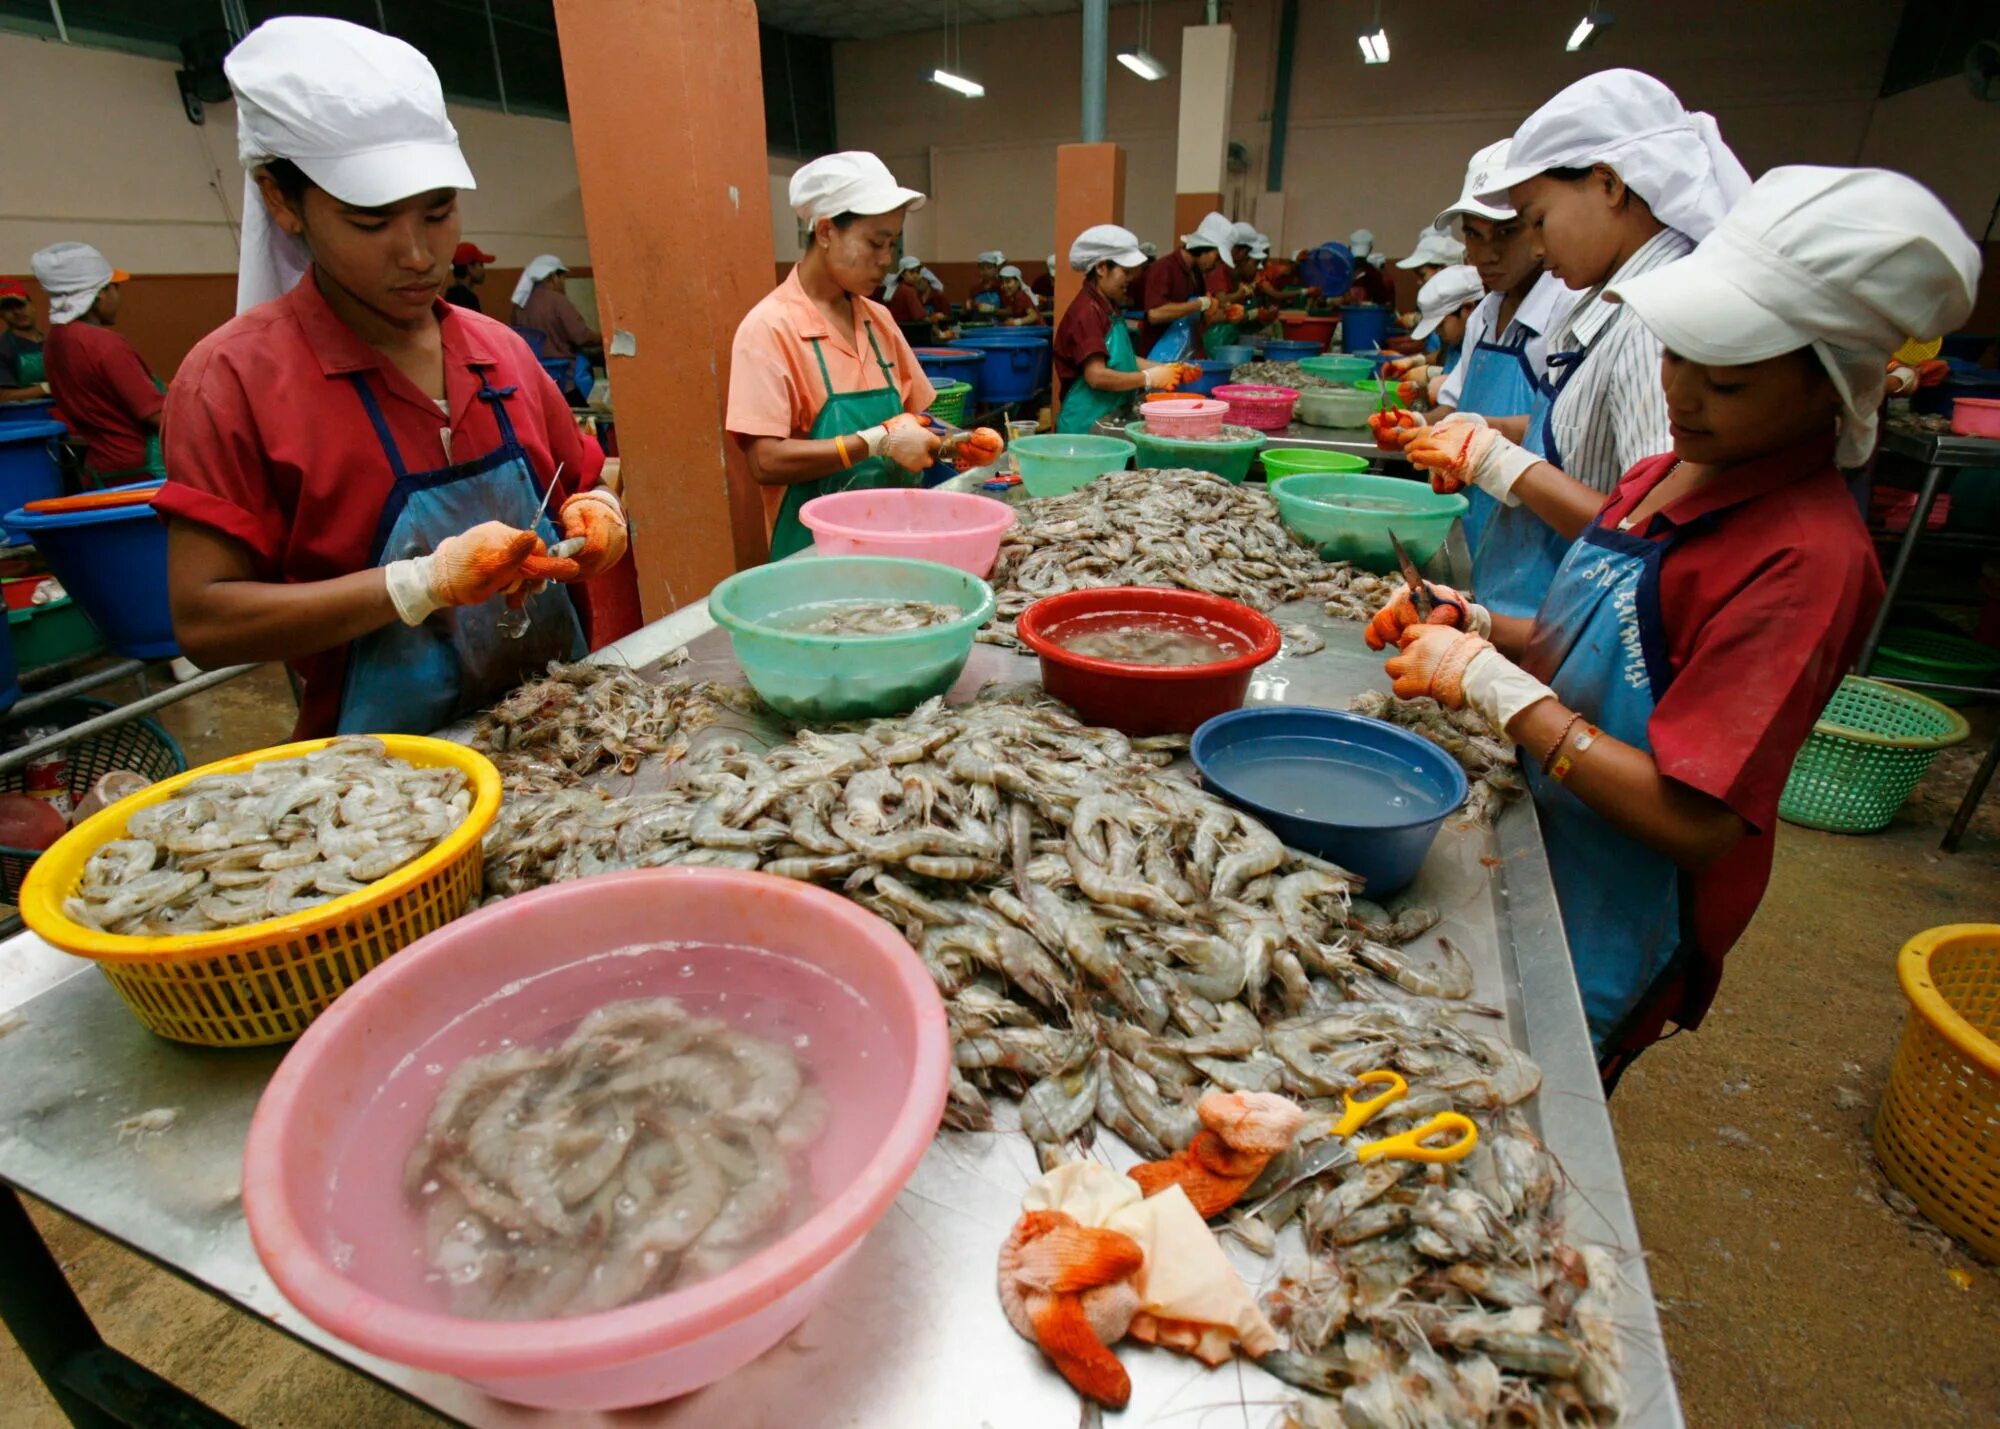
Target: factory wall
point(1385, 146)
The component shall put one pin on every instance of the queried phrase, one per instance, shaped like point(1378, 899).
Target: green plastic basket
point(1872, 743)
point(950, 403)
point(1908, 652)
point(44, 634)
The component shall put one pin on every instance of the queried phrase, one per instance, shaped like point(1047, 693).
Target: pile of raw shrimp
point(1491, 765)
point(1111, 943)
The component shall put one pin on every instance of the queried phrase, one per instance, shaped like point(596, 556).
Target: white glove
point(1204, 302)
point(1494, 463)
point(1500, 689)
point(905, 440)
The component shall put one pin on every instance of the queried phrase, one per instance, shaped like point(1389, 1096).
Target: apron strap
point(381, 423)
point(496, 397)
point(888, 372)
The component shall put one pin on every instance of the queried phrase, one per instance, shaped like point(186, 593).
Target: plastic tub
point(1281, 462)
point(1334, 407)
point(1364, 325)
point(57, 630)
point(348, 1103)
point(819, 679)
point(954, 528)
point(952, 364)
point(30, 469)
point(1373, 387)
point(1268, 409)
point(1184, 416)
point(35, 409)
point(1014, 363)
point(1912, 653)
point(1056, 462)
point(112, 562)
point(1235, 353)
point(1362, 792)
point(1976, 416)
point(1229, 460)
point(1866, 752)
point(1339, 367)
point(1305, 327)
point(1322, 508)
point(10, 669)
point(1280, 349)
point(1213, 373)
point(1146, 699)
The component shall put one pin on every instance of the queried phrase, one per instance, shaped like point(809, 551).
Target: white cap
point(853, 181)
point(1010, 271)
point(908, 264)
point(1052, 263)
point(72, 274)
point(1242, 235)
point(1674, 160)
point(1445, 294)
point(1261, 248)
point(1106, 240)
point(1378, 260)
point(539, 267)
point(362, 115)
point(1214, 231)
point(1851, 262)
point(1479, 176)
point(1361, 243)
point(993, 256)
point(1434, 248)
point(1149, 250)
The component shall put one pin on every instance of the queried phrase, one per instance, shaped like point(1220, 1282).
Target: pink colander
point(1268, 409)
point(323, 1170)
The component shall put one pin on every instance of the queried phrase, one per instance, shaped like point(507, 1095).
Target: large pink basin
point(955, 528)
point(323, 1170)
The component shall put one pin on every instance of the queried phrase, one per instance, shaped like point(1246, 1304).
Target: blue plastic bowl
point(1284, 349)
point(1015, 365)
point(1263, 761)
point(1214, 372)
point(114, 563)
point(36, 409)
point(1236, 353)
point(29, 468)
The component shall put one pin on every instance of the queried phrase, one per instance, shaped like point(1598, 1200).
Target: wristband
point(840, 446)
point(1561, 764)
point(1556, 748)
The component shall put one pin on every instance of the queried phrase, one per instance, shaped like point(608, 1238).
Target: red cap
point(468, 253)
point(12, 288)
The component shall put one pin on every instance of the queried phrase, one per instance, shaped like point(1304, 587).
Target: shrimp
point(1451, 977)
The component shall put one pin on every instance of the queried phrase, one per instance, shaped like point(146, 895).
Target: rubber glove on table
point(979, 447)
point(1463, 451)
point(1241, 1132)
point(905, 439)
point(470, 569)
point(1461, 670)
point(596, 518)
point(1395, 428)
point(1068, 1287)
point(1448, 607)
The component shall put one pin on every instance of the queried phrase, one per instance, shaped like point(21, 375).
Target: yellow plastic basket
point(262, 983)
point(1938, 1133)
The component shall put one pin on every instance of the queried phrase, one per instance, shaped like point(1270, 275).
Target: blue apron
point(1518, 555)
point(406, 679)
point(1599, 644)
point(1499, 382)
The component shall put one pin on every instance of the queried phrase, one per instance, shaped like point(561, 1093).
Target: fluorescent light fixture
point(1587, 30)
point(1374, 46)
point(970, 88)
point(1143, 64)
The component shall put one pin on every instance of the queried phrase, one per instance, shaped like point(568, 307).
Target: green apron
point(155, 468)
point(844, 414)
point(1219, 335)
point(1083, 405)
point(30, 369)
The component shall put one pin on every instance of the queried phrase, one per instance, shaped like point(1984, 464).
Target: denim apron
point(1499, 382)
point(1519, 552)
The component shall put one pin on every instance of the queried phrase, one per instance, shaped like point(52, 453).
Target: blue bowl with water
point(1367, 795)
point(1282, 349)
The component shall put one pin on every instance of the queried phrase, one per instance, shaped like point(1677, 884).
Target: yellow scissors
point(1416, 1144)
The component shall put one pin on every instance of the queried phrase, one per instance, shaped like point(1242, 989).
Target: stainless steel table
point(912, 1333)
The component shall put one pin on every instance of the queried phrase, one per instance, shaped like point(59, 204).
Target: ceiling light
point(1587, 29)
point(1374, 46)
point(970, 88)
point(1143, 64)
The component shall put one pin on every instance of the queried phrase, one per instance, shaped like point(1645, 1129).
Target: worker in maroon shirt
point(1017, 304)
point(1708, 607)
point(1044, 286)
point(1178, 284)
point(107, 393)
point(1096, 369)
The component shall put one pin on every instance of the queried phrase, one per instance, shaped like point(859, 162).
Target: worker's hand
point(1203, 303)
point(1905, 379)
point(1066, 1286)
point(1394, 428)
point(979, 447)
point(906, 439)
point(595, 518)
point(469, 569)
point(1929, 374)
point(1168, 376)
point(1241, 1132)
point(1463, 451)
point(1448, 607)
point(1461, 670)
point(1403, 368)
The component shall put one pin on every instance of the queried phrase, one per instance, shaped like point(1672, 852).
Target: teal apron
point(1600, 645)
point(1499, 382)
point(154, 469)
point(1518, 555)
point(844, 414)
point(1083, 405)
point(29, 367)
point(406, 679)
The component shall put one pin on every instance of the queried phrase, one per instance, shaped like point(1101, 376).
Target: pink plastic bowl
point(1976, 416)
point(1184, 416)
point(1268, 409)
point(322, 1173)
point(957, 528)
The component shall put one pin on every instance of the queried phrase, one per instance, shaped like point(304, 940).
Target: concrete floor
point(1793, 1290)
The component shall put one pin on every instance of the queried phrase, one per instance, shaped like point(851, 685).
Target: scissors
point(1420, 595)
point(513, 621)
point(1416, 1144)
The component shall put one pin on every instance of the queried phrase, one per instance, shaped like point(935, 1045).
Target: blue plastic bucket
point(953, 364)
point(113, 562)
point(1263, 761)
point(1014, 366)
point(1284, 349)
point(1364, 325)
point(1214, 372)
point(29, 467)
point(38, 409)
point(1236, 353)
point(572, 374)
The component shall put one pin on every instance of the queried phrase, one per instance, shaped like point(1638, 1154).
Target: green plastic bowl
point(1228, 460)
point(1334, 407)
point(1373, 387)
point(828, 678)
point(1281, 462)
point(1324, 508)
point(1335, 368)
point(1058, 462)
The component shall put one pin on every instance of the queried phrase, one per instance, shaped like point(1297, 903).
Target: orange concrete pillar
point(667, 116)
point(1190, 210)
point(1090, 189)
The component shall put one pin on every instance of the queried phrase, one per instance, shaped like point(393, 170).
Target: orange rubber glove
point(979, 447)
point(1242, 1131)
point(1168, 376)
point(1448, 608)
point(1463, 451)
point(1933, 372)
point(1432, 662)
point(1394, 428)
point(1068, 1288)
point(470, 569)
point(597, 519)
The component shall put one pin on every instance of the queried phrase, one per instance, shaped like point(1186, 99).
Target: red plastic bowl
point(1145, 699)
point(1268, 409)
point(1301, 328)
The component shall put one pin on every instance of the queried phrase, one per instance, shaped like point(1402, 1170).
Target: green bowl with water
point(1229, 460)
point(1058, 462)
point(1334, 367)
point(821, 679)
point(1349, 516)
point(1281, 462)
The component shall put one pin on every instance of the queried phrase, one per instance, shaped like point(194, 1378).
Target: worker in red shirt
point(1177, 285)
point(106, 392)
point(362, 471)
point(1044, 286)
point(468, 271)
point(1017, 304)
point(1096, 369)
point(1710, 606)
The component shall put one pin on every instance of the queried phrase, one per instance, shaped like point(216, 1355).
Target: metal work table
point(1354, 441)
point(911, 1334)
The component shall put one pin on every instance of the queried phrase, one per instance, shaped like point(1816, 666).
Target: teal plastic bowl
point(1349, 516)
point(1229, 460)
point(820, 679)
point(1337, 368)
point(1056, 462)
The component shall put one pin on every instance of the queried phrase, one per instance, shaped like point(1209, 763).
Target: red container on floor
point(1146, 699)
point(1891, 508)
point(1267, 409)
